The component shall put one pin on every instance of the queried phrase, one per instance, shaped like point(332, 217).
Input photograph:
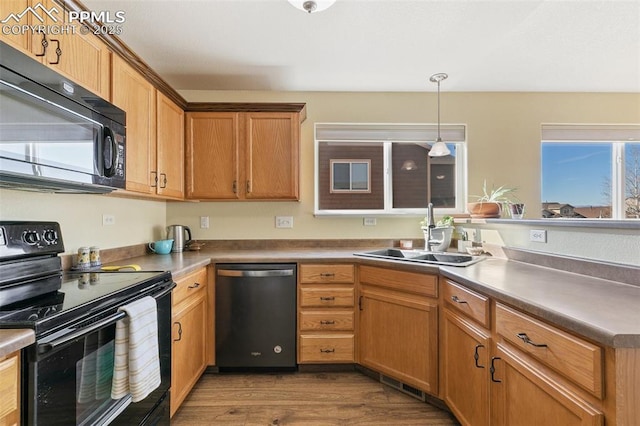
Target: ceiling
point(387, 45)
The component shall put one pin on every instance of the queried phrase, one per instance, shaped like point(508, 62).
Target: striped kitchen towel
point(137, 363)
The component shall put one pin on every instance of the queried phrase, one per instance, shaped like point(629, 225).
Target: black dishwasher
point(255, 316)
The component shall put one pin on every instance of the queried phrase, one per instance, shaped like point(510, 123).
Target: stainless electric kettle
point(176, 233)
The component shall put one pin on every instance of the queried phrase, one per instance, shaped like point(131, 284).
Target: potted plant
point(492, 202)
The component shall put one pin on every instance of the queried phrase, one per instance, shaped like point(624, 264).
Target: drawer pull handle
point(327, 322)
point(458, 300)
point(327, 299)
point(476, 356)
point(492, 369)
point(327, 274)
point(195, 285)
point(525, 339)
point(327, 351)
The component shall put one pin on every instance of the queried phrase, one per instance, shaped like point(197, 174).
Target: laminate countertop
point(605, 311)
point(14, 340)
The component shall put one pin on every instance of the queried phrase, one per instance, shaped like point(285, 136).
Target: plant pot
point(484, 210)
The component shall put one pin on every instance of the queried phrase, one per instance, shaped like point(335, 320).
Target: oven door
point(68, 378)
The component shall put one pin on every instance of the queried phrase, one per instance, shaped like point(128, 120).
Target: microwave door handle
point(49, 346)
point(110, 139)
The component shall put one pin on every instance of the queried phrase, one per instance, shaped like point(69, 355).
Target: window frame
point(350, 162)
point(461, 170)
point(615, 135)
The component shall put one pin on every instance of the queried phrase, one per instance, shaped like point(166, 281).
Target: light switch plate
point(284, 221)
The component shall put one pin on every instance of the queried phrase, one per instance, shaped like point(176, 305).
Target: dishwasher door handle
point(255, 273)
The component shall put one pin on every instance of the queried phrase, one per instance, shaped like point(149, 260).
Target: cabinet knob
point(44, 43)
point(327, 298)
point(179, 331)
point(327, 351)
point(327, 275)
point(476, 356)
point(327, 322)
point(195, 285)
point(58, 52)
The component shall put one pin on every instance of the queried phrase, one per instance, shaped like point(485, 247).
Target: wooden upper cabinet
point(212, 158)
point(21, 41)
point(83, 58)
point(170, 148)
point(272, 155)
point(137, 97)
point(234, 155)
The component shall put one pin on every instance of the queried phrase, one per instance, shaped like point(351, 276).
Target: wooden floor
point(342, 398)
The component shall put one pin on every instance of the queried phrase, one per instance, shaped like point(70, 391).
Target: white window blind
point(389, 132)
point(591, 132)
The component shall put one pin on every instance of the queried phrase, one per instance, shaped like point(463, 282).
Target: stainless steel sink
point(420, 256)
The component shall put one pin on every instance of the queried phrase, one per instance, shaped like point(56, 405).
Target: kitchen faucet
point(431, 223)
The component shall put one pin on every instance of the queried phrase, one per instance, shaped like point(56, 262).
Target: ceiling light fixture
point(439, 149)
point(311, 6)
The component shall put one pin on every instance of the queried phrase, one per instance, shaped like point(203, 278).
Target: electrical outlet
point(108, 219)
point(369, 221)
point(538, 236)
point(204, 222)
point(284, 221)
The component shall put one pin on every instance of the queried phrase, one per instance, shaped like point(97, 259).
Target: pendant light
point(311, 6)
point(439, 149)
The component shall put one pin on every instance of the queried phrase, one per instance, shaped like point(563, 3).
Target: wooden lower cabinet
point(10, 390)
point(523, 395)
point(189, 348)
point(466, 358)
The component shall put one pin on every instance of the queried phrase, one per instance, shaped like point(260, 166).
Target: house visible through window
point(386, 169)
point(590, 171)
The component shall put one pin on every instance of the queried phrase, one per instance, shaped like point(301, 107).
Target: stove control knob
point(50, 236)
point(31, 237)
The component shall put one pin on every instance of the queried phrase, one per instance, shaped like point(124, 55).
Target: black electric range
point(66, 375)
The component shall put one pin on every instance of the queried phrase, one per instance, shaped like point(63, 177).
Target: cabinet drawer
point(424, 284)
point(313, 274)
point(470, 303)
point(189, 285)
point(319, 297)
point(575, 358)
point(335, 320)
point(326, 348)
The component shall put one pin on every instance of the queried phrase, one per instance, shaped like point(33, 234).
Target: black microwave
point(55, 135)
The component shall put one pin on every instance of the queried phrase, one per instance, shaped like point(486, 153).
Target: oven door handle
point(49, 346)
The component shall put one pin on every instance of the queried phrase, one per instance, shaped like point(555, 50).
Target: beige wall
point(80, 217)
point(503, 147)
point(503, 138)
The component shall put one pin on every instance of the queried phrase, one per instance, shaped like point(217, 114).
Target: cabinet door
point(272, 143)
point(466, 370)
point(10, 390)
point(189, 348)
point(212, 155)
point(522, 395)
point(398, 337)
point(21, 40)
point(170, 131)
point(135, 95)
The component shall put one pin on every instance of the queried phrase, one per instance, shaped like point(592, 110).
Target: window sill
point(566, 223)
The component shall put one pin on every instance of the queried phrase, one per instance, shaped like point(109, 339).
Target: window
point(590, 171)
point(385, 169)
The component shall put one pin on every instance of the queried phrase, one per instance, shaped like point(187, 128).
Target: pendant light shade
point(311, 6)
point(439, 148)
